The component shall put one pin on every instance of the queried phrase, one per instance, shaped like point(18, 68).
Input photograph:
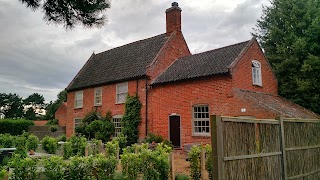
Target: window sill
point(258, 85)
point(78, 107)
point(201, 135)
point(97, 105)
point(120, 103)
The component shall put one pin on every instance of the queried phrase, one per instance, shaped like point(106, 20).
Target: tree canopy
point(52, 107)
point(11, 105)
point(289, 32)
point(70, 13)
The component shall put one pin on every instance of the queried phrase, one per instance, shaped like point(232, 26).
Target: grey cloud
point(36, 57)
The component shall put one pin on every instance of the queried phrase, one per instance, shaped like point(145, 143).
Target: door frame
point(174, 114)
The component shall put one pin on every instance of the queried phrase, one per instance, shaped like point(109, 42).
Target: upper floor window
point(256, 73)
point(122, 92)
point(98, 96)
point(78, 100)
point(200, 120)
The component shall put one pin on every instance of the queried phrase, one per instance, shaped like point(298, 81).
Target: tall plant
point(131, 118)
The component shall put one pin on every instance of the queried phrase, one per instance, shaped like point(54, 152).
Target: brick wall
point(242, 72)
point(175, 48)
point(61, 114)
point(108, 103)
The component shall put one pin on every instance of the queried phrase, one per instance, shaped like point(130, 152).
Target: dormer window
point(256, 73)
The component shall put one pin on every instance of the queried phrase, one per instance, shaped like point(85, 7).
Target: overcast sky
point(42, 58)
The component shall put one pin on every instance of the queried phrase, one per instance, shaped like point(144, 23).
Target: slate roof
point(119, 64)
point(208, 63)
point(275, 104)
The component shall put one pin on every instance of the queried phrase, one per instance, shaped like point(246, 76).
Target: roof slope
point(119, 64)
point(275, 104)
point(212, 62)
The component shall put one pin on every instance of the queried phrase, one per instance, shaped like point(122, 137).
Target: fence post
point(172, 166)
point(217, 147)
point(283, 150)
point(203, 162)
point(86, 151)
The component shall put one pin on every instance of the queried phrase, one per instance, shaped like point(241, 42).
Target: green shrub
point(67, 150)
point(154, 138)
point(14, 126)
point(54, 128)
point(194, 155)
point(20, 143)
point(182, 177)
point(49, 144)
point(54, 168)
point(131, 165)
point(3, 173)
point(23, 169)
point(112, 148)
point(62, 137)
point(52, 122)
point(32, 142)
point(118, 176)
point(104, 168)
point(6, 140)
point(209, 160)
point(79, 168)
point(122, 141)
point(78, 145)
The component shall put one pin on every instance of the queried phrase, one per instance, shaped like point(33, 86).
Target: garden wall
point(42, 131)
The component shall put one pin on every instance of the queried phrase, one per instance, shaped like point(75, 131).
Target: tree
point(11, 105)
point(52, 107)
point(34, 103)
point(69, 13)
point(289, 32)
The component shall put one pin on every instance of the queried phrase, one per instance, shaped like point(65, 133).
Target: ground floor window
point(117, 125)
point(200, 120)
point(77, 122)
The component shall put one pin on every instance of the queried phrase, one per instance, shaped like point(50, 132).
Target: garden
point(92, 153)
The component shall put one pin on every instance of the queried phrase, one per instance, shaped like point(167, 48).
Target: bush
point(52, 122)
point(112, 148)
point(78, 145)
point(67, 150)
point(54, 168)
point(118, 176)
point(6, 141)
point(3, 173)
point(104, 168)
point(79, 168)
point(209, 160)
point(62, 138)
point(154, 138)
point(131, 165)
point(182, 177)
point(54, 128)
point(122, 141)
point(23, 168)
point(49, 144)
point(194, 155)
point(32, 142)
point(14, 126)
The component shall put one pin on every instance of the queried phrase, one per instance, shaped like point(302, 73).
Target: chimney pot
point(175, 4)
point(173, 18)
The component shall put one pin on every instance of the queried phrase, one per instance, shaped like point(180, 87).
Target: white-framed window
point(97, 96)
point(78, 99)
point(77, 122)
point(256, 73)
point(200, 120)
point(122, 92)
point(116, 120)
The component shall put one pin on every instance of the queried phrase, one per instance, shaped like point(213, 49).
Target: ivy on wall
point(131, 119)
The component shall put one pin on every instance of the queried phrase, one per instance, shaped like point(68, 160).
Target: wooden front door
point(174, 131)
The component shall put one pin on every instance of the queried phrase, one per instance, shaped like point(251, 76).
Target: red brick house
point(178, 90)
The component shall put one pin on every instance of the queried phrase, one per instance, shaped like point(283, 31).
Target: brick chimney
point(173, 18)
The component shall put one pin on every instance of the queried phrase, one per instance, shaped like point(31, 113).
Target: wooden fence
point(251, 149)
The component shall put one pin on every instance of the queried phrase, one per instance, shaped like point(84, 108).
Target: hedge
point(14, 126)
